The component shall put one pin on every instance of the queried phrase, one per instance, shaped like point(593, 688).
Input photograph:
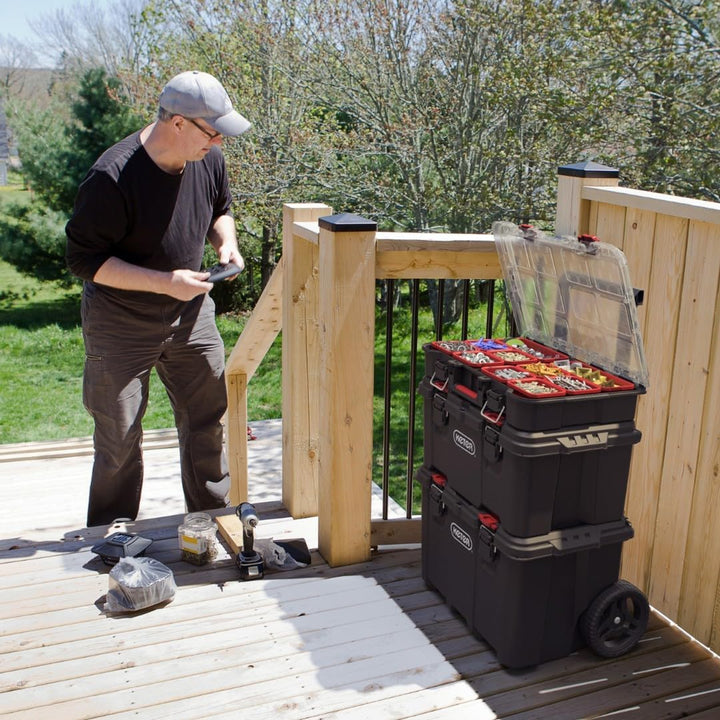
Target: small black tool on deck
point(250, 562)
point(121, 545)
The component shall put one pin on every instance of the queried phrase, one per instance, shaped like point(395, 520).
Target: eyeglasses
point(208, 135)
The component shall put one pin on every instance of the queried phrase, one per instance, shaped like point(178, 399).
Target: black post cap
point(346, 222)
point(588, 169)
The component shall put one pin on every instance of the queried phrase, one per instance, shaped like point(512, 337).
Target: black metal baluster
point(465, 309)
point(440, 310)
point(490, 310)
point(387, 391)
point(411, 427)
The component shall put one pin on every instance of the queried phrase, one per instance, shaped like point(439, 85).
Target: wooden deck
point(364, 641)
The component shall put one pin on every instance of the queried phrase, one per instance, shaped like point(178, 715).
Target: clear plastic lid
point(573, 296)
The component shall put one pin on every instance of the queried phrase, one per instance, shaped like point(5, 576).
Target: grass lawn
point(41, 363)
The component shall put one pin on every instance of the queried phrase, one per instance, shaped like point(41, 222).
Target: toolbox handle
point(495, 419)
point(437, 386)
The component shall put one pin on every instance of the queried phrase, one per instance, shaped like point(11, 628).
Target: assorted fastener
point(520, 359)
point(452, 345)
point(533, 387)
point(510, 356)
point(543, 369)
point(196, 537)
point(535, 352)
point(476, 358)
point(595, 376)
point(508, 373)
point(572, 384)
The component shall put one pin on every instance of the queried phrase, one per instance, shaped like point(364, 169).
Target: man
point(136, 238)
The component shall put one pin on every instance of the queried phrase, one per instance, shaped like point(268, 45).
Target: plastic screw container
point(196, 537)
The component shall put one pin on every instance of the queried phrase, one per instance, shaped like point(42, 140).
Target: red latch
point(439, 479)
point(489, 520)
point(588, 238)
point(466, 391)
point(528, 231)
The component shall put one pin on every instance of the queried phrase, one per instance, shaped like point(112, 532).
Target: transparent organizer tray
point(574, 296)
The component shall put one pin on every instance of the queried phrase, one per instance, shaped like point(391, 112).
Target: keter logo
point(464, 442)
point(461, 536)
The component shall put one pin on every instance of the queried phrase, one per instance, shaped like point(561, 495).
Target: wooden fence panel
point(661, 313)
point(673, 249)
point(607, 222)
point(702, 559)
point(639, 236)
point(692, 352)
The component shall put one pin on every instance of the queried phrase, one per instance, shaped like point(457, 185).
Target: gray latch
point(584, 441)
point(487, 537)
point(492, 448)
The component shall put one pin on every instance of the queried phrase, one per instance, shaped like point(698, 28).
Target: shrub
point(32, 239)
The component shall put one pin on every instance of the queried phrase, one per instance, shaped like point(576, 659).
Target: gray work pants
point(124, 339)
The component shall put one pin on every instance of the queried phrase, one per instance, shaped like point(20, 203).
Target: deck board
point(364, 641)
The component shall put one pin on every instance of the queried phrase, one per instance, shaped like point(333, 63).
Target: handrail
point(701, 210)
point(260, 330)
point(257, 336)
point(427, 256)
point(309, 231)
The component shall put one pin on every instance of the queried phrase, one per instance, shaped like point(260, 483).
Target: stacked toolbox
point(523, 494)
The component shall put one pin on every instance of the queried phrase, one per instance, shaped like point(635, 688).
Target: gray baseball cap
point(196, 94)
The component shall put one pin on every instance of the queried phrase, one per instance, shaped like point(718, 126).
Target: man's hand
point(187, 284)
point(222, 237)
point(232, 256)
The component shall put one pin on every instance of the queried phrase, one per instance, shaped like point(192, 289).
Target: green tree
point(56, 154)
point(668, 94)
point(32, 239)
point(101, 116)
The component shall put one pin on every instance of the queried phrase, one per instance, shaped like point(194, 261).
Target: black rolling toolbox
point(532, 599)
point(527, 449)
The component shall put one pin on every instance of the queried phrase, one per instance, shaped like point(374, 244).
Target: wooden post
point(300, 363)
point(236, 435)
point(572, 216)
point(347, 333)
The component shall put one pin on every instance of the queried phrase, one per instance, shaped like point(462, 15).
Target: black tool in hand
point(222, 272)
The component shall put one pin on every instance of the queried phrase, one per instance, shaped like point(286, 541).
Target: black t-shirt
point(127, 207)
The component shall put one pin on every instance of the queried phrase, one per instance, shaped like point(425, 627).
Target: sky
point(15, 14)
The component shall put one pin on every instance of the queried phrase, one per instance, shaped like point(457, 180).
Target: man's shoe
point(220, 490)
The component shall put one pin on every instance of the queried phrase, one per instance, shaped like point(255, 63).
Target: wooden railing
point(323, 297)
point(329, 267)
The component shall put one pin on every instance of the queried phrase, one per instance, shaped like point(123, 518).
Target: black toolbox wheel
point(615, 620)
